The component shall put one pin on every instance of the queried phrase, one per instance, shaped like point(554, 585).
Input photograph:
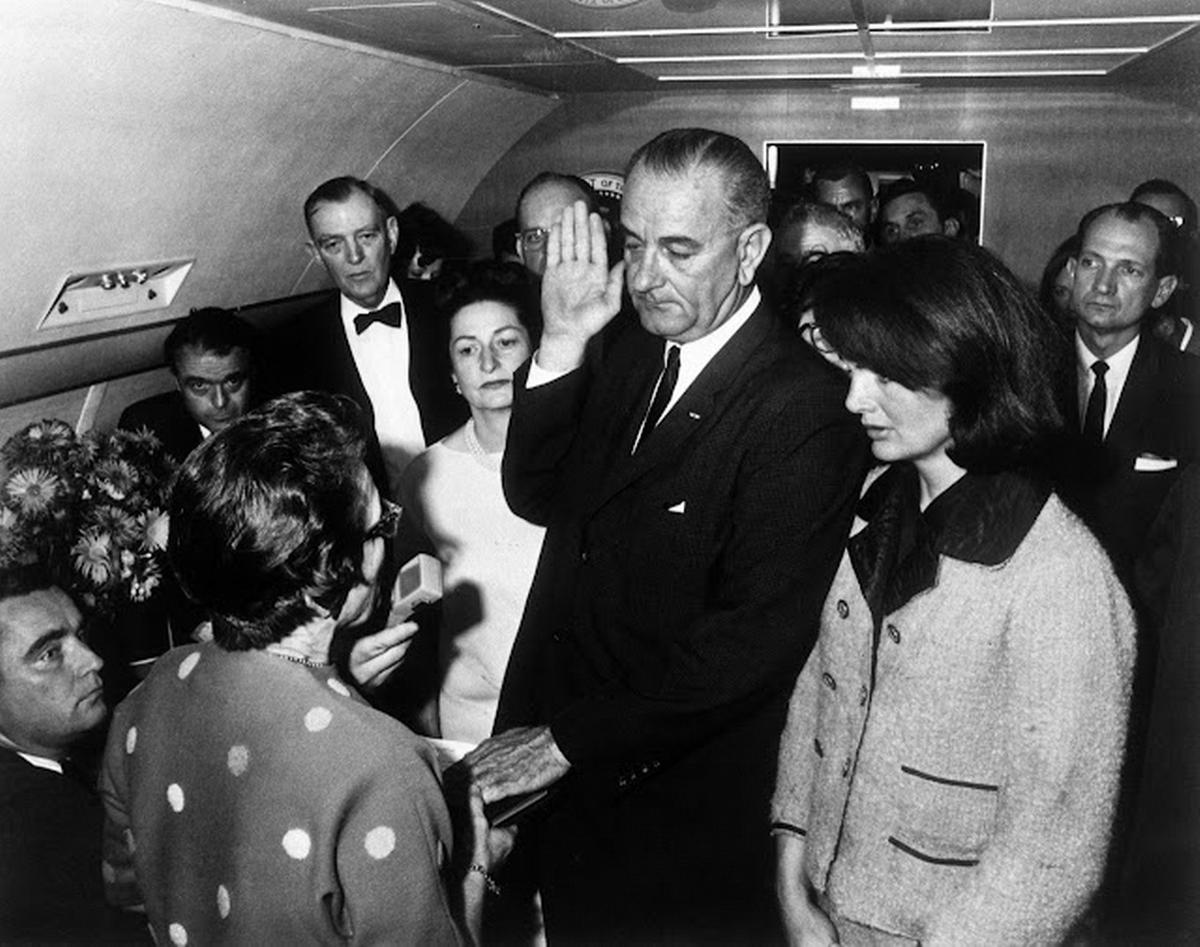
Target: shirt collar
point(350, 308)
point(41, 762)
point(1118, 363)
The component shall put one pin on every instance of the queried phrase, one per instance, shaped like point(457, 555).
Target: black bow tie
point(389, 315)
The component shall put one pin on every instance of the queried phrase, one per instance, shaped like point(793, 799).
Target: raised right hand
point(580, 294)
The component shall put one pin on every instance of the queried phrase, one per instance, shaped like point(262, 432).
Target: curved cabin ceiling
point(146, 131)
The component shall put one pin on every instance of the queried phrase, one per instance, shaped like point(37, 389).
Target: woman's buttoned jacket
point(955, 779)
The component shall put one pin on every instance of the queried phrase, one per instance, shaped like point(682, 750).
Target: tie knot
point(672, 356)
point(1099, 367)
point(388, 315)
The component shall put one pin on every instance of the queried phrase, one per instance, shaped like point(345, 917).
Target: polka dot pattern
point(175, 796)
point(178, 934)
point(223, 902)
point(338, 687)
point(238, 759)
point(188, 664)
point(317, 719)
point(131, 739)
point(380, 842)
point(297, 844)
point(130, 843)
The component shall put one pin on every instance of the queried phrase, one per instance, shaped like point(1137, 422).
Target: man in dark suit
point(211, 354)
point(385, 349)
point(51, 818)
point(697, 481)
point(1136, 402)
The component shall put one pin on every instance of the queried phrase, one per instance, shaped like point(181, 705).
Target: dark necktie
point(662, 392)
point(1093, 420)
point(389, 315)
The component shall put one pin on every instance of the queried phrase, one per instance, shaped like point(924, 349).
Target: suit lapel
point(1137, 400)
point(696, 408)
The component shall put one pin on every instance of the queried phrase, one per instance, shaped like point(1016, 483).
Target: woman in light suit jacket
point(950, 763)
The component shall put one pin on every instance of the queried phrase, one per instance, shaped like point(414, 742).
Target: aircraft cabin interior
point(158, 152)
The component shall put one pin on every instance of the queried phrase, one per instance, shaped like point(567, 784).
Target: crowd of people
point(814, 583)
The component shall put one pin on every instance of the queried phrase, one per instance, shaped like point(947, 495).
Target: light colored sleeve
point(1069, 641)
point(797, 760)
point(121, 888)
point(393, 852)
point(542, 376)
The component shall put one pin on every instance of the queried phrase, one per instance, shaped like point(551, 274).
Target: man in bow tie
point(385, 349)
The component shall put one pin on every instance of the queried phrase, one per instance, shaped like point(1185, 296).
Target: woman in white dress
point(452, 494)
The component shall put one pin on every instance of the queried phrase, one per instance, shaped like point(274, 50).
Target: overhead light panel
point(875, 71)
point(116, 291)
point(875, 103)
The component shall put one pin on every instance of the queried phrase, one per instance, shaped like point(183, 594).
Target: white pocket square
point(679, 507)
point(1152, 463)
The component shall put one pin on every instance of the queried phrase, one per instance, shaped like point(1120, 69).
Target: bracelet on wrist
point(488, 881)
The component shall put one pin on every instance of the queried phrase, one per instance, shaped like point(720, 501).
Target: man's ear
point(752, 246)
point(950, 226)
point(313, 252)
point(1166, 286)
point(520, 248)
point(393, 233)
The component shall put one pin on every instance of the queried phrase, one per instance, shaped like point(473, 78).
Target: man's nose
point(644, 273)
point(1106, 280)
point(220, 397)
point(356, 252)
point(86, 660)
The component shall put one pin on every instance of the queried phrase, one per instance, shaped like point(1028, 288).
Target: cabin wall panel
point(1051, 155)
point(138, 132)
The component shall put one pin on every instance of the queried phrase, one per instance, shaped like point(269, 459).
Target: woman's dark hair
point(268, 515)
point(487, 281)
point(945, 315)
point(1065, 251)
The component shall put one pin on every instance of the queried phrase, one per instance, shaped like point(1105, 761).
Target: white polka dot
point(186, 666)
point(317, 719)
point(178, 935)
point(129, 842)
point(175, 796)
point(131, 740)
point(108, 873)
point(223, 904)
point(238, 759)
point(338, 687)
point(297, 843)
point(380, 842)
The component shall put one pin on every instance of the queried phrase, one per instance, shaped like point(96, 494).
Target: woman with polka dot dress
point(251, 795)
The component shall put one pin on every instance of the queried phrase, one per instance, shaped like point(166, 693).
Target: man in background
point(910, 209)
point(51, 818)
point(847, 188)
point(386, 350)
point(211, 353)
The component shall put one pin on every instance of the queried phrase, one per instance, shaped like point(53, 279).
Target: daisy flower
point(34, 488)
point(91, 557)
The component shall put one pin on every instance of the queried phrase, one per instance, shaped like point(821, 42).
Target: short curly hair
point(267, 518)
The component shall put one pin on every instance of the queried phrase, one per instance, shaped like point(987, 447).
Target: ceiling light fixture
point(905, 54)
point(875, 103)
point(991, 74)
point(1148, 20)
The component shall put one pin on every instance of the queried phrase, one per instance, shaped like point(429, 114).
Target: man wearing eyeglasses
point(541, 203)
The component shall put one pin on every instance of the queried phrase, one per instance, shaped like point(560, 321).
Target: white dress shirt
point(694, 356)
point(1114, 379)
point(381, 354)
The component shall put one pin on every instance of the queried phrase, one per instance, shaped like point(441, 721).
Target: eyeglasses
point(534, 238)
point(388, 523)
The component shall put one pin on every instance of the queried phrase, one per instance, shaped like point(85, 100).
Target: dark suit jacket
point(676, 599)
point(311, 352)
point(50, 879)
point(167, 419)
point(1158, 414)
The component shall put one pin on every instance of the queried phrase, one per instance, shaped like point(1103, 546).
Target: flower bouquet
point(91, 509)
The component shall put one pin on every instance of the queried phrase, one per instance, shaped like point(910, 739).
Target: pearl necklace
point(482, 457)
point(298, 659)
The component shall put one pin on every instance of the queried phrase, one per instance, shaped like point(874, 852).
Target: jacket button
point(893, 633)
point(862, 696)
point(817, 746)
point(583, 556)
point(827, 678)
point(843, 609)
